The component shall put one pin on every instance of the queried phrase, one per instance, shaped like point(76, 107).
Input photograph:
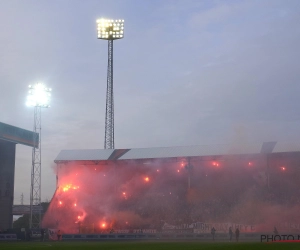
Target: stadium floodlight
point(38, 97)
point(110, 30)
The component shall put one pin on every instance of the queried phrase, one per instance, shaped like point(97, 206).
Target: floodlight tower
point(110, 30)
point(38, 97)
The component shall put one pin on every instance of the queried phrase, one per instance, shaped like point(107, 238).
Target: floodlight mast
point(39, 97)
point(110, 30)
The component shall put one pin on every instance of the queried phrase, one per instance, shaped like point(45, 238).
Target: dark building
point(9, 137)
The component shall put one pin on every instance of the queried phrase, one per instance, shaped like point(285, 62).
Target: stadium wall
point(7, 173)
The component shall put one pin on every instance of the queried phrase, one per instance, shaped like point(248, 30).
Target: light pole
point(38, 97)
point(110, 30)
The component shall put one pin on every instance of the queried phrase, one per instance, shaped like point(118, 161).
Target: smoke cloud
point(147, 195)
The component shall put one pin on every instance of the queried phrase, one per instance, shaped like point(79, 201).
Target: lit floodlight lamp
point(38, 96)
point(110, 29)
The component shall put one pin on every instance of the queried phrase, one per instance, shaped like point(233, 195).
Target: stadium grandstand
point(254, 186)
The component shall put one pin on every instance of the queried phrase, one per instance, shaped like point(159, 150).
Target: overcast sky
point(186, 73)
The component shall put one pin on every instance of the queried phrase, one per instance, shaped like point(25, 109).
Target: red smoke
point(131, 195)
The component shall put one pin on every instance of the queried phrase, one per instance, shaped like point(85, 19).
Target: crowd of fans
point(228, 194)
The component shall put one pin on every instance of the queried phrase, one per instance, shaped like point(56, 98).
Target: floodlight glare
point(105, 26)
point(39, 96)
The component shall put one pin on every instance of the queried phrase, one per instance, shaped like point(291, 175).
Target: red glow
point(95, 168)
point(104, 204)
point(215, 164)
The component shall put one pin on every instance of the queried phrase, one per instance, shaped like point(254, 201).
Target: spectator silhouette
point(237, 234)
point(58, 234)
point(213, 231)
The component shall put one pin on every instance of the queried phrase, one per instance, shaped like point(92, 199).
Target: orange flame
point(69, 186)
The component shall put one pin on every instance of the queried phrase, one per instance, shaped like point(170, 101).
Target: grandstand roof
point(18, 135)
point(170, 152)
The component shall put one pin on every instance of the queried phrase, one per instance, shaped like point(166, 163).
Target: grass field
point(144, 245)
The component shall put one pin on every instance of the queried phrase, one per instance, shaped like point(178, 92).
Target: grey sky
point(186, 73)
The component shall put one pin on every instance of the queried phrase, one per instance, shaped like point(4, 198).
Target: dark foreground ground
point(145, 245)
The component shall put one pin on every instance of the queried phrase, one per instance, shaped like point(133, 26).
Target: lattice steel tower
point(110, 30)
point(39, 97)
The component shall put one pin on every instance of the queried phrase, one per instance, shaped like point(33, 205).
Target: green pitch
point(144, 245)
